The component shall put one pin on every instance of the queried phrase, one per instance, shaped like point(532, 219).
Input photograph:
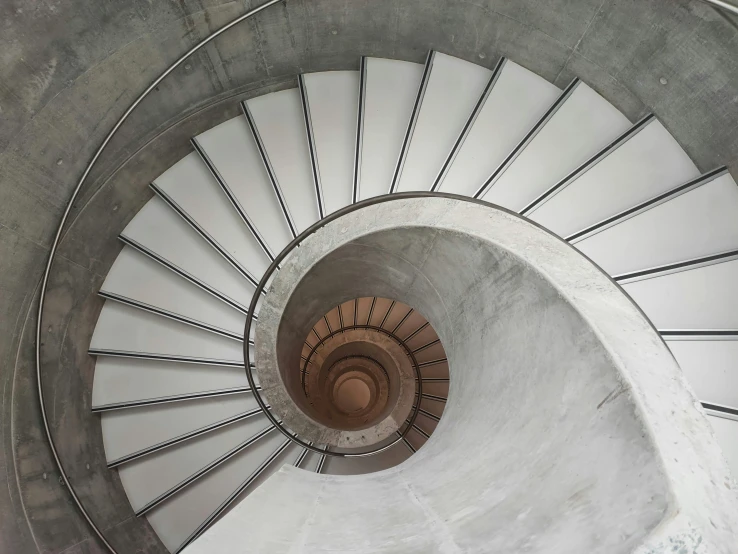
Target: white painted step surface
point(281, 125)
point(697, 223)
point(129, 379)
point(453, 89)
point(147, 478)
point(128, 329)
point(517, 101)
point(711, 367)
point(390, 92)
point(701, 298)
point(140, 278)
point(231, 147)
point(161, 230)
point(333, 98)
point(648, 164)
point(726, 431)
point(127, 431)
point(173, 521)
point(192, 187)
point(583, 125)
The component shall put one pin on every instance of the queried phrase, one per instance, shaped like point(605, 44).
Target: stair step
point(701, 221)
point(161, 231)
point(128, 431)
point(175, 520)
point(447, 100)
point(390, 90)
point(232, 155)
point(135, 276)
point(648, 163)
point(711, 367)
point(279, 121)
point(192, 191)
point(691, 299)
point(581, 126)
point(127, 329)
point(518, 99)
point(150, 477)
point(333, 104)
point(119, 380)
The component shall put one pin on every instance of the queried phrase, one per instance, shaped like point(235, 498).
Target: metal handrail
point(723, 5)
point(60, 229)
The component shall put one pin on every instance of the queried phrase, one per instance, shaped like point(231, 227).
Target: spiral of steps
point(179, 420)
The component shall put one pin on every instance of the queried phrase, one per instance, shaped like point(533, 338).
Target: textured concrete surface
point(569, 426)
point(67, 70)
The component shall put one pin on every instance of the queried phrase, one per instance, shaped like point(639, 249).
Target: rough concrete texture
point(68, 70)
point(279, 342)
point(569, 426)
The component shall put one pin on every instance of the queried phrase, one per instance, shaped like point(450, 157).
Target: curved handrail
point(723, 5)
point(60, 229)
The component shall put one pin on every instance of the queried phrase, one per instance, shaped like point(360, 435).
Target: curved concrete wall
point(67, 70)
point(569, 427)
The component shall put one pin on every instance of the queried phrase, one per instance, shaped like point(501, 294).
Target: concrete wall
point(67, 70)
point(569, 427)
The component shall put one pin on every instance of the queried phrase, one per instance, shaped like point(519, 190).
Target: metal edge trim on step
point(433, 362)
point(232, 198)
point(321, 462)
point(182, 273)
point(314, 166)
point(162, 357)
point(171, 315)
point(425, 347)
point(169, 201)
point(402, 156)
point(271, 174)
point(527, 139)
point(404, 318)
point(427, 414)
point(169, 399)
point(589, 164)
point(481, 102)
point(434, 397)
point(183, 437)
point(406, 443)
point(233, 496)
point(676, 267)
point(359, 144)
point(718, 410)
point(418, 430)
point(700, 334)
point(389, 310)
point(647, 205)
point(415, 333)
point(203, 471)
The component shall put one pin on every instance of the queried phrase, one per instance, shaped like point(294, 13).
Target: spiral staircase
point(179, 418)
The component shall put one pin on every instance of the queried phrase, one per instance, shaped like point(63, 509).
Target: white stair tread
point(129, 379)
point(177, 518)
point(711, 367)
point(517, 101)
point(232, 149)
point(726, 432)
point(148, 477)
point(162, 231)
point(190, 184)
point(648, 164)
point(128, 329)
point(453, 89)
point(128, 431)
point(390, 91)
point(583, 125)
point(333, 98)
point(138, 277)
point(700, 222)
point(700, 298)
point(279, 119)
